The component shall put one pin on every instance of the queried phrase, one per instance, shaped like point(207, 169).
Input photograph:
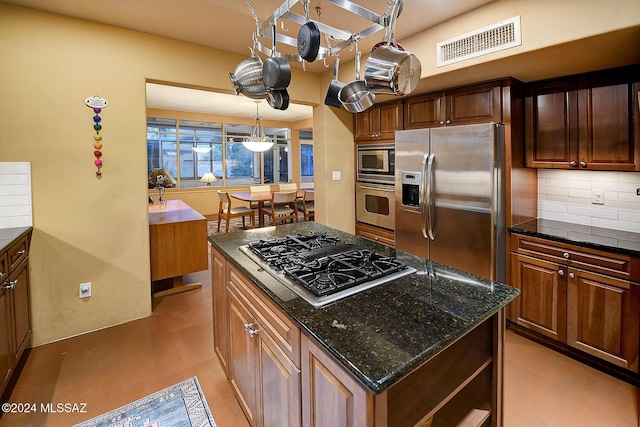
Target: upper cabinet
point(378, 123)
point(589, 121)
point(479, 103)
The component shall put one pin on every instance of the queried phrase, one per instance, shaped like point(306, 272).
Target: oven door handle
point(425, 196)
point(382, 187)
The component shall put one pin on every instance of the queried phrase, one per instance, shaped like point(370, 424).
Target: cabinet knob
point(583, 164)
point(561, 272)
point(571, 275)
point(22, 252)
point(248, 326)
point(441, 122)
point(253, 332)
point(448, 122)
point(565, 255)
point(573, 164)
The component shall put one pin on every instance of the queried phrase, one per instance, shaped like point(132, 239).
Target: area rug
point(180, 405)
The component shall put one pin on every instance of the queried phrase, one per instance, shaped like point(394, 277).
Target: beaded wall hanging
point(97, 104)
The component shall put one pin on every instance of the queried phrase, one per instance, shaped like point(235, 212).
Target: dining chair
point(258, 189)
point(283, 206)
point(288, 187)
point(226, 211)
point(308, 208)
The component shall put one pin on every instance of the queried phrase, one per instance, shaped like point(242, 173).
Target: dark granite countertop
point(384, 333)
point(10, 235)
point(604, 239)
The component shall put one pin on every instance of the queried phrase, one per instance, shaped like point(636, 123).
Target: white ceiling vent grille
point(496, 37)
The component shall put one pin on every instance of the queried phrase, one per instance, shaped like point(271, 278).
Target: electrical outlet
point(597, 197)
point(85, 290)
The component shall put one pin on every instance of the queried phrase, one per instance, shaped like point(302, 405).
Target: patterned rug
point(180, 405)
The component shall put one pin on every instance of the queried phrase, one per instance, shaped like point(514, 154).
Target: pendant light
point(257, 141)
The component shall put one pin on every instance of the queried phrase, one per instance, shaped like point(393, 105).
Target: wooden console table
point(178, 244)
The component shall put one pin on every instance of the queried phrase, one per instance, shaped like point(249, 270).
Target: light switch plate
point(336, 175)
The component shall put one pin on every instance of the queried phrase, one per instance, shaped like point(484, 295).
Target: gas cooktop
point(321, 268)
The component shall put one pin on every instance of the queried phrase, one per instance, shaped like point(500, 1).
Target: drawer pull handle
point(566, 255)
point(561, 272)
point(21, 252)
point(12, 284)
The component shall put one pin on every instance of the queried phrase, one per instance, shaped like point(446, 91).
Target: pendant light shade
point(257, 141)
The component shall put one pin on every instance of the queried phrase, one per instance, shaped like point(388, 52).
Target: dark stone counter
point(384, 333)
point(10, 235)
point(604, 239)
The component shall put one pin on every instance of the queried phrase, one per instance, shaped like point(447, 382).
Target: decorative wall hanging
point(97, 104)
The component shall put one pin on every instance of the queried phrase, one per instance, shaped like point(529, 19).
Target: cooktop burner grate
point(323, 268)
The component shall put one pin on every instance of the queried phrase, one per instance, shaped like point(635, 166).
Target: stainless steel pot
point(356, 96)
point(247, 78)
point(333, 99)
point(391, 69)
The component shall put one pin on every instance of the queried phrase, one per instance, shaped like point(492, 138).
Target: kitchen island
point(424, 349)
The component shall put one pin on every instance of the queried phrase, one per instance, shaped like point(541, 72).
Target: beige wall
point(96, 230)
point(88, 229)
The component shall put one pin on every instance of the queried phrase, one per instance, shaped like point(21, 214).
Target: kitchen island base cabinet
point(461, 386)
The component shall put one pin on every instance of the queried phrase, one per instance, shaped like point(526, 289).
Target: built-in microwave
point(376, 163)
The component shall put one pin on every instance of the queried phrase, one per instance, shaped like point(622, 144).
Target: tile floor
point(110, 368)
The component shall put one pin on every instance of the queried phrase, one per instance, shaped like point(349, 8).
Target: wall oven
point(376, 163)
point(375, 204)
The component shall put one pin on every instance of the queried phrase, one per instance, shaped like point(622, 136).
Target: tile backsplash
point(15, 195)
point(565, 195)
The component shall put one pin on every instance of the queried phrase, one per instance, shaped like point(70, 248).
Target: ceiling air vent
point(500, 36)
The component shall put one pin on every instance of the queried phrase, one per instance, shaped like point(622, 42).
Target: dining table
point(260, 198)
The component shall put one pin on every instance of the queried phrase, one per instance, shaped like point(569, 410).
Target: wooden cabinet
point(589, 121)
point(258, 347)
point(481, 103)
point(377, 234)
point(15, 315)
point(585, 298)
point(378, 123)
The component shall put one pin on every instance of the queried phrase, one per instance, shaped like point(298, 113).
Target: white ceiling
point(228, 25)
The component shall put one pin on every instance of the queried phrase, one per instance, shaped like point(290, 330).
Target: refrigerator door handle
point(430, 198)
point(421, 196)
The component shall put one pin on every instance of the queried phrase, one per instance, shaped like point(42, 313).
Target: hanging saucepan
point(278, 99)
point(390, 69)
point(276, 70)
point(356, 96)
point(308, 37)
point(332, 98)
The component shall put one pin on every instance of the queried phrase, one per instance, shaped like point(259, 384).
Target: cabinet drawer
point(281, 329)
point(617, 265)
point(18, 252)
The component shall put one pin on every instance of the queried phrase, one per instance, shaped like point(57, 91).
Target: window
point(306, 156)
point(188, 149)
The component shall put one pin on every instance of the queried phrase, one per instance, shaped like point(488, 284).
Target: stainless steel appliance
point(375, 204)
point(449, 197)
point(321, 268)
point(376, 163)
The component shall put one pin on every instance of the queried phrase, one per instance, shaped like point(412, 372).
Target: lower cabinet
point(284, 378)
point(15, 315)
point(377, 234)
point(572, 295)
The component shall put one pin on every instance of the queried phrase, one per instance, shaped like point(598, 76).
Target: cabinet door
point(22, 318)
point(542, 305)
point(551, 124)
point(389, 120)
point(6, 356)
point(242, 358)
point(424, 111)
point(279, 386)
point(607, 133)
point(220, 317)
point(476, 104)
point(330, 396)
point(603, 317)
point(363, 126)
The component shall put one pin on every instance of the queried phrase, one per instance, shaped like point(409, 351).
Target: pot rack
point(344, 39)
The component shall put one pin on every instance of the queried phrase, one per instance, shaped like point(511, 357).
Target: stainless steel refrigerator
point(450, 199)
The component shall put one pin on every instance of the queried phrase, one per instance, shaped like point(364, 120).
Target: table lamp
point(208, 178)
point(160, 179)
